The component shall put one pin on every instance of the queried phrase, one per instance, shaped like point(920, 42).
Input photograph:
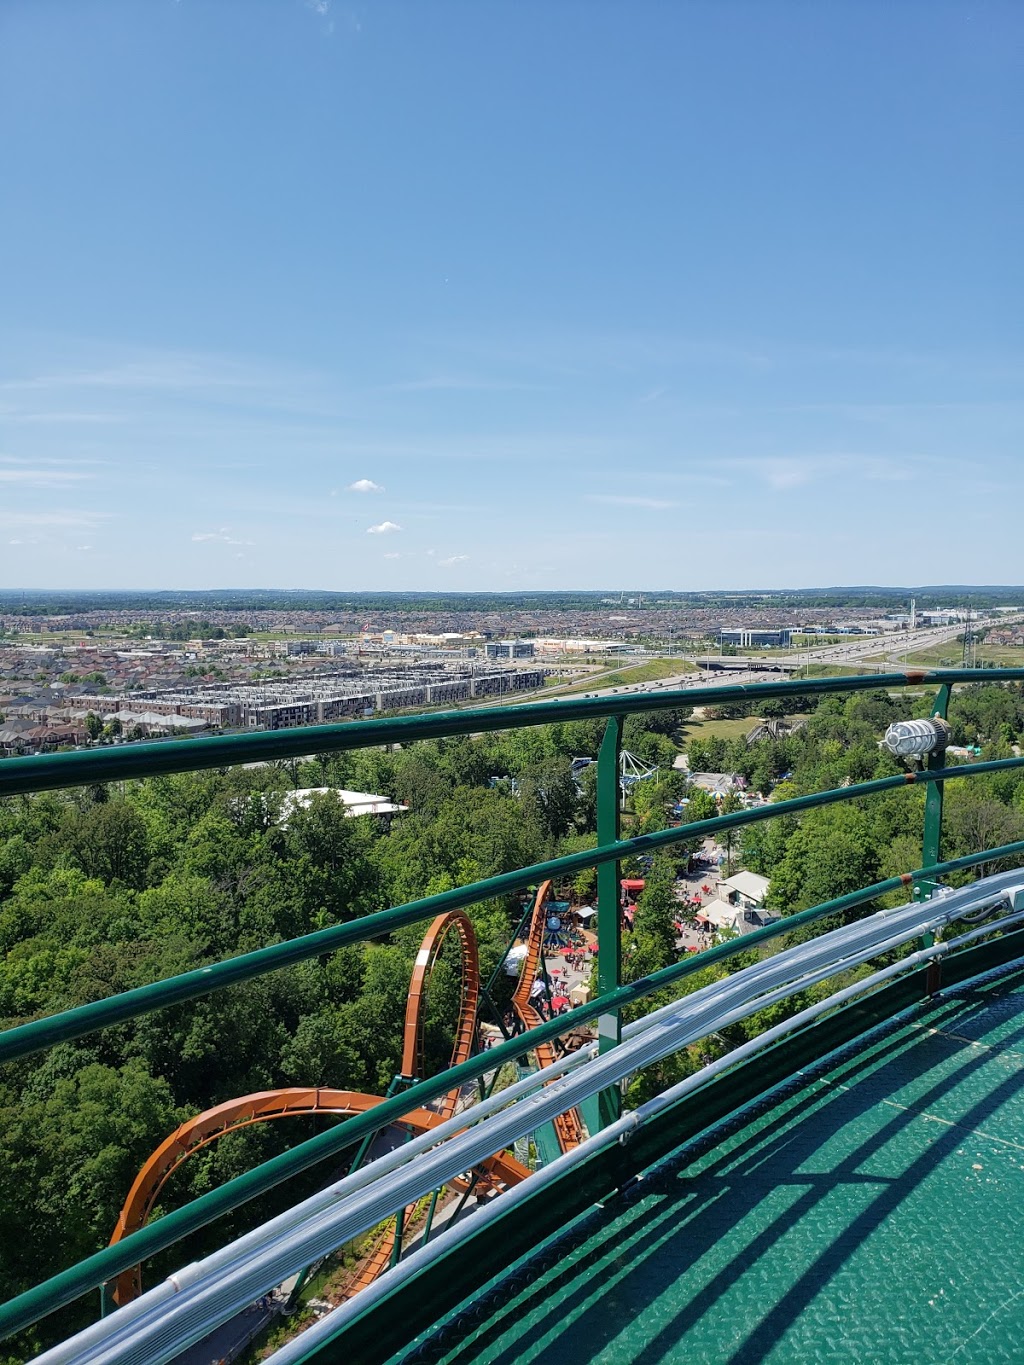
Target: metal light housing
point(916, 738)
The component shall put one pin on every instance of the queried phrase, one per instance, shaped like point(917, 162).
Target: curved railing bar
point(39, 1034)
point(104, 1265)
point(43, 772)
point(215, 1289)
point(329, 1328)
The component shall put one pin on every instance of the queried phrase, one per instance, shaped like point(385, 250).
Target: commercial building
point(509, 649)
point(757, 639)
point(549, 644)
point(321, 700)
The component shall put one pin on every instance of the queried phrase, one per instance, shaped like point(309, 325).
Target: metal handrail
point(222, 1283)
point(44, 772)
point(40, 1034)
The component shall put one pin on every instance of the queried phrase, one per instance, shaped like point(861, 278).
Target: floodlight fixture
point(916, 738)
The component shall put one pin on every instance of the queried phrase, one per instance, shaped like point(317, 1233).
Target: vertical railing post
point(609, 938)
point(933, 802)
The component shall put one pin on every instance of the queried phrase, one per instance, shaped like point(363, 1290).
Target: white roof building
point(355, 803)
point(744, 888)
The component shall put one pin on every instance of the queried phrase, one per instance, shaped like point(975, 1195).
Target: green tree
point(653, 944)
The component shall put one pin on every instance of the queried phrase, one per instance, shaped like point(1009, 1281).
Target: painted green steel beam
point(609, 936)
point(43, 772)
point(933, 797)
point(76, 1023)
point(104, 1265)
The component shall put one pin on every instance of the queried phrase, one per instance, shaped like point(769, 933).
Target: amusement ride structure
point(496, 1173)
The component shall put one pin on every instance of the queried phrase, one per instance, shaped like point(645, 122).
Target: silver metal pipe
point(331, 1325)
point(173, 1315)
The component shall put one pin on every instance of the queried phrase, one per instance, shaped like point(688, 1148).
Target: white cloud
point(384, 528)
point(221, 535)
point(452, 559)
point(393, 554)
point(627, 500)
point(364, 486)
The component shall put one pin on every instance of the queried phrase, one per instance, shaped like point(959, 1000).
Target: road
point(857, 651)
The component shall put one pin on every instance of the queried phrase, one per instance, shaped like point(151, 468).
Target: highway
point(883, 653)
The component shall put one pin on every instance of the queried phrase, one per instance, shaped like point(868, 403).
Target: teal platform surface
point(873, 1211)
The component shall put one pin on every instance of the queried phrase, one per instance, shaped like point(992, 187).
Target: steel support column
point(933, 800)
point(609, 938)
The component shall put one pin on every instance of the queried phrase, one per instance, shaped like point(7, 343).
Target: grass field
point(718, 729)
point(950, 655)
point(651, 671)
point(831, 671)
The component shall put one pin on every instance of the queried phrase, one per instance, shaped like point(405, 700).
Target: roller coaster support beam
point(430, 1216)
point(485, 995)
point(396, 1246)
point(933, 801)
point(485, 991)
point(609, 938)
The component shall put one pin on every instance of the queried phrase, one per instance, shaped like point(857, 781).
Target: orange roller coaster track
point(568, 1126)
point(413, 1068)
point(207, 1127)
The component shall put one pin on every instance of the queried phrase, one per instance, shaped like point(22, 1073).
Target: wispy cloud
point(629, 500)
point(364, 486)
point(384, 528)
point(53, 418)
point(85, 520)
point(457, 383)
point(795, 471)
point(222, 535)
point(42, 478)
point(452, 559)
point(393, 554)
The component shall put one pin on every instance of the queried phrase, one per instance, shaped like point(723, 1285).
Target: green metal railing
point(44, 772)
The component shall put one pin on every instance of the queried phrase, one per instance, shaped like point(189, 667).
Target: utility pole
point(970, 654)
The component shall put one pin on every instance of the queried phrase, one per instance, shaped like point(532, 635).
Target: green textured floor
point(876, 1214)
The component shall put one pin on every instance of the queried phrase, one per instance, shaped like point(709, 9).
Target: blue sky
point(510, 295)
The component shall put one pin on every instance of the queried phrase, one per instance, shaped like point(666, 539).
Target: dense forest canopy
point(106, 888)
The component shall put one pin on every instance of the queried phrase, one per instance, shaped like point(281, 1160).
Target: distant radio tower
point(913, 613)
